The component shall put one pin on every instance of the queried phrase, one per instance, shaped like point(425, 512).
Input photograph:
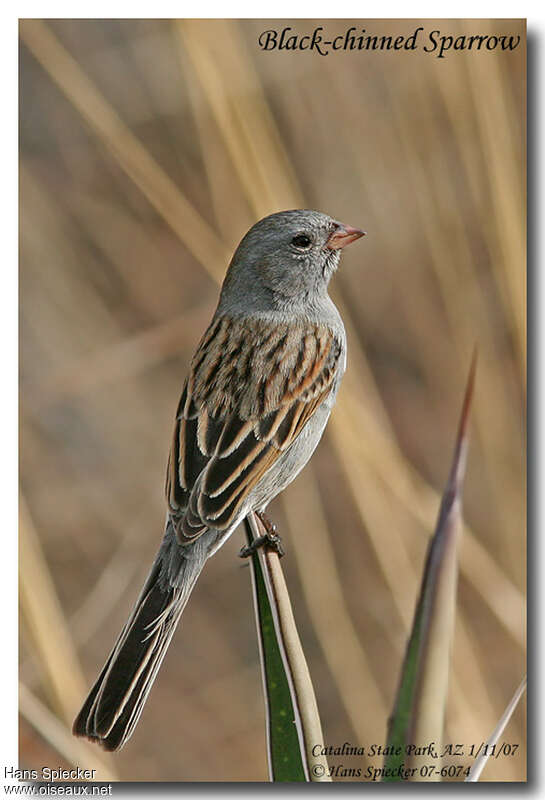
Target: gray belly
point(290, 463)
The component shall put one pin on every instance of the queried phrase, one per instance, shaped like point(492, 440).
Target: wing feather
point(248, 396)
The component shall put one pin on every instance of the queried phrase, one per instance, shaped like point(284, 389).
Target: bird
point(260, 388)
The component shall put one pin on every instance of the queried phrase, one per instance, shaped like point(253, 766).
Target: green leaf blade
point(285, 758)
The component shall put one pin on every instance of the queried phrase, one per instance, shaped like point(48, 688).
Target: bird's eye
point(302, 241)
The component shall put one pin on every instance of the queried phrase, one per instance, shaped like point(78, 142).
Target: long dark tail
point(114, 705)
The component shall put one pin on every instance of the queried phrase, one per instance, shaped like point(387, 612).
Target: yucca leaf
point(285, 757)
point(418, 715)
point(293, 724)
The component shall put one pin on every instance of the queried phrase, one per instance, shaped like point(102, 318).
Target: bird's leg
point(270, 539)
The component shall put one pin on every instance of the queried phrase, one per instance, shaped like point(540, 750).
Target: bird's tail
point(115, 702)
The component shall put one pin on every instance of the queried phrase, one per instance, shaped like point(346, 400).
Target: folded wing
point(248, 395)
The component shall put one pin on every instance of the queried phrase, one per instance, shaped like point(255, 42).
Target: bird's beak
point(342, 236)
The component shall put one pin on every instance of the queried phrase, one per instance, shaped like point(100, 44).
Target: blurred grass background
point(148, 148)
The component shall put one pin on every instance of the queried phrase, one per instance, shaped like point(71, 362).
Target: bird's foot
point(270, 539)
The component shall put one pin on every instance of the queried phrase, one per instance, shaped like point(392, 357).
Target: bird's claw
point(269, 540)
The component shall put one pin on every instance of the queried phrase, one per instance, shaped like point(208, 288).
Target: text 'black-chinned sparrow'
point(254, 406)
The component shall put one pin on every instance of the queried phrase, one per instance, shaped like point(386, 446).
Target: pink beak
point(344, 235)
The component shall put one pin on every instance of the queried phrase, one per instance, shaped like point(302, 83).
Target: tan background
point(148, 148)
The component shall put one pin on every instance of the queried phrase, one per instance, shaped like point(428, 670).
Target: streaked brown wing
point(247, 397)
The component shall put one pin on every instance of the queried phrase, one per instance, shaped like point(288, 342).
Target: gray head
point(285, 261)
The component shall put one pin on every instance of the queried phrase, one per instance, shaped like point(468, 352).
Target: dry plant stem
point(244, 117)
point(47, 624)
point(469, 692)
point(304, 700)
point(407, 502)
point(159, 189)
point(406, 486)
point(129, 357)
point(393, 469)
point(480, 762)
point(211, 254)
point(112, 583)
point(55, 652)
point(496, 426)
point(75, 751)
point(506, 194)
point(452, 264)
point(233, 124)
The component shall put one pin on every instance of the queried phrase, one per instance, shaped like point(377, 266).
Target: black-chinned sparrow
point(254, 406)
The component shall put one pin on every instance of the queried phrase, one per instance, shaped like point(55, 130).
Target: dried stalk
point(47, 623)
point(75, 751)
point(480, 762)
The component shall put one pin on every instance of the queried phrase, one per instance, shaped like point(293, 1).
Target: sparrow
point(254, 405)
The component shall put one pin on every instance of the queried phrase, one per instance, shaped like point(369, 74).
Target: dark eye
point(302, 241)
